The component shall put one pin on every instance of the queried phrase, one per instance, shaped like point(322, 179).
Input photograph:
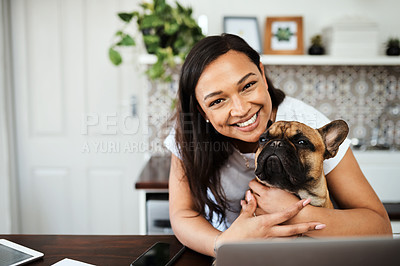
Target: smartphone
point(159, 254)
point(12, 254)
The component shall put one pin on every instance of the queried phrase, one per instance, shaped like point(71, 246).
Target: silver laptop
point(307, 252)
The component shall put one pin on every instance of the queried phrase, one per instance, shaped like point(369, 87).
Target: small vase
point(316, 50)
point(393, 51)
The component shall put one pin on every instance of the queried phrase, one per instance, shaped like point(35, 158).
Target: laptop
point(307, 252)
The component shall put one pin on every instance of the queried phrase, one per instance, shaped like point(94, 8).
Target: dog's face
point(290, 154)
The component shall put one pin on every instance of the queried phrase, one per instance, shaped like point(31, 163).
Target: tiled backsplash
point(160, 110)
point(366, 97)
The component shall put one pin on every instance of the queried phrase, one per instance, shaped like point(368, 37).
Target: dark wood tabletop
point(101, 250)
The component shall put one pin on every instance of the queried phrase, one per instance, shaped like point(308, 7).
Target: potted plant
point(168, 33)
point(393, 46)
point(316, 47)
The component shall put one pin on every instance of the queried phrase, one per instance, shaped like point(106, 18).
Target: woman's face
point(233, 95)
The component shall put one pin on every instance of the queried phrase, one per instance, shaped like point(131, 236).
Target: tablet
point(12, 254)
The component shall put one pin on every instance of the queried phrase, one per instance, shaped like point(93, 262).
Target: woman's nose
point(239, 107)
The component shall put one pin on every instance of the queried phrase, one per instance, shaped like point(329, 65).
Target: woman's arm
point(192, 230)
point(195, 232)
point(361, 212)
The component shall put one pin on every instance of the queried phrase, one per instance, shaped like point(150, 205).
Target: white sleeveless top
point(235, 176)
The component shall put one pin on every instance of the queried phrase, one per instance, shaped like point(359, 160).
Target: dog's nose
point(276, 143)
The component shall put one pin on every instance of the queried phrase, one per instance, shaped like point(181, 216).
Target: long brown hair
point(202, 149)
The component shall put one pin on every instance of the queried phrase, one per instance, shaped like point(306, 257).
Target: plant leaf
point(152, 42)
point(147, 6)
point(155, 71)
point(171, 28)
point(127, 40)
point(114, 56)
point(127, 17)
point(151, 21)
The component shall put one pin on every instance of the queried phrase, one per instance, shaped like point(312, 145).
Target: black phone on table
point(159, 254)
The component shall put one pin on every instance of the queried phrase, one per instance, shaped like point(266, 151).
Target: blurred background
point(76, 131)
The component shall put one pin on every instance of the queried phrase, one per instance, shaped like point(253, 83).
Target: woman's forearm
point(191, 229)
point(349, 222)
point(194, 231)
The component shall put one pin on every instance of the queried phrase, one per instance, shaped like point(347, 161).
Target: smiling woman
point(225, 98)
point(230, 96)
point(238, 108)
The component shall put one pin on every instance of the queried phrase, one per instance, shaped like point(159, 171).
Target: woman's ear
point(202, 112)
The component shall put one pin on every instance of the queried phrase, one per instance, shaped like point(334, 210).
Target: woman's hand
point(250, 226)
point(271, 200)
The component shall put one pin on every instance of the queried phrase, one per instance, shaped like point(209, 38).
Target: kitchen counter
point(382, 170)
point(155, 173)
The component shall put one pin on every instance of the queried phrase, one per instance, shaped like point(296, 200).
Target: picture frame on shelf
point(245, 27)
point(284, 36)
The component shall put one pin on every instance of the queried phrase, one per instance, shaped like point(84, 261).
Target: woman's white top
point(235, 176)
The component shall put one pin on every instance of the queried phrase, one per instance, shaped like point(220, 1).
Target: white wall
point(317, 14)
point(8, 206)
point(5, 221)
point(63, 81)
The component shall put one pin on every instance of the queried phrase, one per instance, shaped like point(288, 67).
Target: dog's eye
point(302, 142)
point(262, 139)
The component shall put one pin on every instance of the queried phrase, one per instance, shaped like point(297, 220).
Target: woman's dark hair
point(202, 149)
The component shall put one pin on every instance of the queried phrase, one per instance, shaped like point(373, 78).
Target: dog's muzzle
point(279, 166)
point(269, 162)
point(274, 165)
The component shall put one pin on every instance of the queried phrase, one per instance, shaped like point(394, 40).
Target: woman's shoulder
point(171, 144)
point(293, 104)
point(292, 109)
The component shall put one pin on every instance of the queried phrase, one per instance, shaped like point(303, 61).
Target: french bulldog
point(291, 154)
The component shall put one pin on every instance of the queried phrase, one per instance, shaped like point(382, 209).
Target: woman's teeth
point(248, 122)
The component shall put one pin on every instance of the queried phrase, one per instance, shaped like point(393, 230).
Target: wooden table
point(100, 250)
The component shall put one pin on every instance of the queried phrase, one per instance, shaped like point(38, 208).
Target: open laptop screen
point(306, 252)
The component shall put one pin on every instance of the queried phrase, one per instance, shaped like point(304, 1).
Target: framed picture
point(245, 27)
point(283, 35)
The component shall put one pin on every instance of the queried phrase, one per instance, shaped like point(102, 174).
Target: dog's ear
point(333, 135)
point(269, 124)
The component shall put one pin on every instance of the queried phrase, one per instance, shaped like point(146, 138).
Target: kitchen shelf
point(147, 59)
point(328, 60)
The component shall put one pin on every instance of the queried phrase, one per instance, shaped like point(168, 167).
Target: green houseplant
point(393, 46)
point(168, 33)
point(316, 48)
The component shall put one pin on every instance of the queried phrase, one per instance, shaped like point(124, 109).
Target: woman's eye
point(215, 102)
point(248, 85)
